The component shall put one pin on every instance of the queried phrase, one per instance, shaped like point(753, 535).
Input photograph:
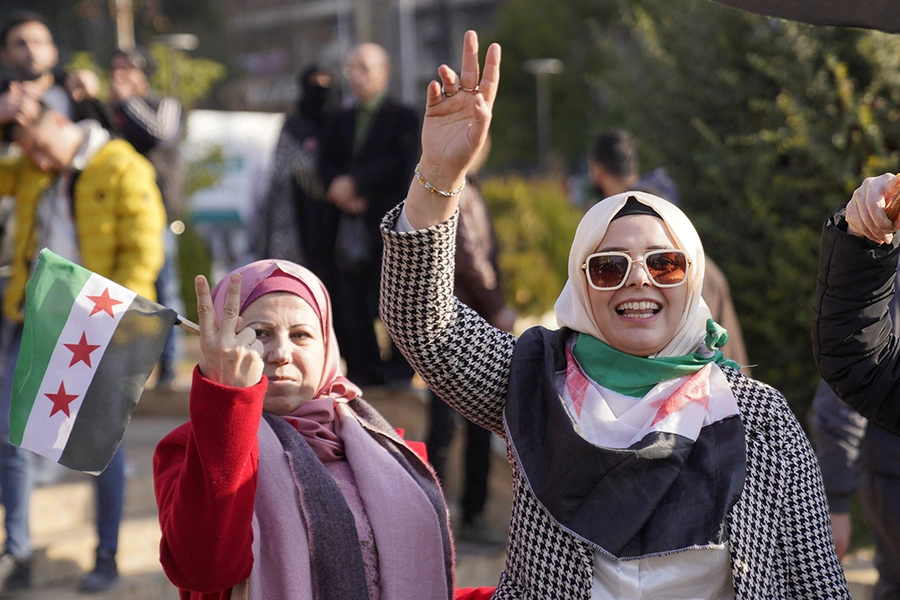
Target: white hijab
point(573, 307)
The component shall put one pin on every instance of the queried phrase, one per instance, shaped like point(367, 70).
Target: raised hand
point(866, 216)
point(82, 85)
point(18, 104)
point(457, 119)
point(229, 353)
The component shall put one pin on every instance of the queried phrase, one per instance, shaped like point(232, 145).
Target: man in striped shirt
point(152, 123)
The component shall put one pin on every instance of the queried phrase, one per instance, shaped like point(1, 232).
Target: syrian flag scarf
point(88, 347)
point(642, 456)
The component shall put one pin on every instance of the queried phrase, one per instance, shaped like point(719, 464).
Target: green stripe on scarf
point(634, 375)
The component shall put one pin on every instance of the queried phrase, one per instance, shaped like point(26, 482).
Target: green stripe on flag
point(49, 296)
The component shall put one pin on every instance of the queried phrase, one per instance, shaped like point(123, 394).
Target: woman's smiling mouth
point(638, 310)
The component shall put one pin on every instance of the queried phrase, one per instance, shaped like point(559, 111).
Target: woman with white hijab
point(645, 465)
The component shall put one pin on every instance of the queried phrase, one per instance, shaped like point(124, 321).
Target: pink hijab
point(333, 383)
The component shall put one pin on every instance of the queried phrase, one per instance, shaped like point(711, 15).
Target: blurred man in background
point(30, 59)
point(152, 123)
point(366, 162)
point(31, 81)
point(613, 167)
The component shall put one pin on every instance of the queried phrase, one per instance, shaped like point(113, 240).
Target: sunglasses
point(607, 271)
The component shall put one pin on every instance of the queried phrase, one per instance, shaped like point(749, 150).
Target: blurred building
point(272, 40)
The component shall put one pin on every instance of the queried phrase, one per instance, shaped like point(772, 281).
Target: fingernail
point(235, 278)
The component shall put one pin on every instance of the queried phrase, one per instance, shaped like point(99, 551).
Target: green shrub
point(194, 256)
point(535, 224)
point(194, 259)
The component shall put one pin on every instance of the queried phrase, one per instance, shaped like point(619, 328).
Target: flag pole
point(187, 325)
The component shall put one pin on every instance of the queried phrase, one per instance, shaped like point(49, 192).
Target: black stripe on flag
point(117, 385)
point(664, 494)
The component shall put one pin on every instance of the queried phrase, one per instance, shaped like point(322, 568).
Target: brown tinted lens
point(607, 271)
point(666, 268)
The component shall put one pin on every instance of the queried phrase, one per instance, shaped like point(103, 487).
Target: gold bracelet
point(434, 190)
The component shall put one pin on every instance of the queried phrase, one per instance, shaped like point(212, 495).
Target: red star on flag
point(61, 400)
point(103, 302)
point(81, 352)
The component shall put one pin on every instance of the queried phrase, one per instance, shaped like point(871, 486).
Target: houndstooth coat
point(781, 543)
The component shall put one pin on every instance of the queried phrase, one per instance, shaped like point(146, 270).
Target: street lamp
point(542, 69)
point(124, 13)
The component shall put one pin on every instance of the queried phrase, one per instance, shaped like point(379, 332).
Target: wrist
point(437, 181)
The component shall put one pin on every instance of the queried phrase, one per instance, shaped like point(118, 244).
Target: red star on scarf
point(103, 302)
point(81, 352)
point(576, 382)
point(693, 391)
point(61, 400)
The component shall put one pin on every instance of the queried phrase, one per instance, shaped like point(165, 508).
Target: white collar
point(95, 137)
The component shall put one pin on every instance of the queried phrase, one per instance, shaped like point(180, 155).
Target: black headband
point(634, 207)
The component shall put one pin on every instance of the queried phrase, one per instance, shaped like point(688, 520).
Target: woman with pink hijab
point(285, 483)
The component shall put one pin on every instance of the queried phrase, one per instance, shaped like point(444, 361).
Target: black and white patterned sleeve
point(812, 564)
point(462, 358)
point(162, 124)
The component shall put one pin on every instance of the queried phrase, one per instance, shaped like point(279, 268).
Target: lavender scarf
point(316, 534)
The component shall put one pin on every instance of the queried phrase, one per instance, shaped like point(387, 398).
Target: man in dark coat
point(856, 456)
point(366, 163)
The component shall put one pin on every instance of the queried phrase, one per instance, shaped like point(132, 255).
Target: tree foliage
point(534, 224)
point(766, 125)
point(546, 29)
point(178, 74)
point(187, 78)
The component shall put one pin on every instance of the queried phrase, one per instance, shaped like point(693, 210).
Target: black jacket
point(383, 166)
point(853, 342)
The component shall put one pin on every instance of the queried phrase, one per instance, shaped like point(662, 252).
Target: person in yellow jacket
point(93, 200)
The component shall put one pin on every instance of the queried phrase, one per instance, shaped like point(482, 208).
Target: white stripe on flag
point(47, 435)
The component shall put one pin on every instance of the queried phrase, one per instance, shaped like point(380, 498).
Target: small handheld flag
point(88, 347)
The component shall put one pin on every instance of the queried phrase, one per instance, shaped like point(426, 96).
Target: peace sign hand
point(457, 119)
point(230, 354)
point(458, 115)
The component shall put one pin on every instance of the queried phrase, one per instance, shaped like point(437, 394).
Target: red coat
point(204, 475)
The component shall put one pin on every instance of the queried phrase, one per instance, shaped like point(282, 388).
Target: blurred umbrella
point(871, 14)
